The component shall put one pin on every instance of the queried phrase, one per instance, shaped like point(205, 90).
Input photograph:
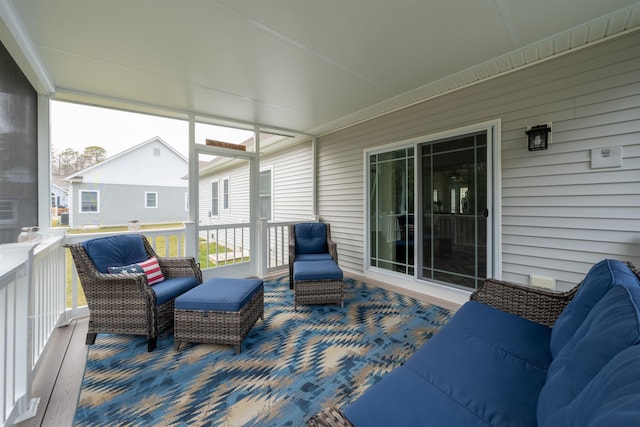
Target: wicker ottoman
point(317, 282)
point(219, 311)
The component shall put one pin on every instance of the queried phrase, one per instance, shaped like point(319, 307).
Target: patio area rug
point(292, 364)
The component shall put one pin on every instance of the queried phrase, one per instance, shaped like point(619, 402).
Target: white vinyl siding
point(559, 216)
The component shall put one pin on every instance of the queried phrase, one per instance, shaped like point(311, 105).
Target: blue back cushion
point(612, 398)
point(115, 251)
point(311, 238)
point(612, 326)
point(602, 277)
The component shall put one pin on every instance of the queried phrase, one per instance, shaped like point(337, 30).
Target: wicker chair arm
point(536, 304)
point(329, 417)
point(333, 249)
point(180, 267)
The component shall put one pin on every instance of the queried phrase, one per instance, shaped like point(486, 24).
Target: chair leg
point(91, 339)
point(151, 343)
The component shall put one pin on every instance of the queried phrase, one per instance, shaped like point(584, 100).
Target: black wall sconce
point(538, 137)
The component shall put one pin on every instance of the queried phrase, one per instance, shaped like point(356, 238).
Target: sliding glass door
point(454, 210)
point(429, 209)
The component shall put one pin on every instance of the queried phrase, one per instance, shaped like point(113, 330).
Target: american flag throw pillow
point(150, 267)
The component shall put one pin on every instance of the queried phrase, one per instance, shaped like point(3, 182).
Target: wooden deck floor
point(58, 380)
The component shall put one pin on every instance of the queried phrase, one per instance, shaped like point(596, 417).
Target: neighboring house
point(59, 196)
point(143, 183)
point(285, 186)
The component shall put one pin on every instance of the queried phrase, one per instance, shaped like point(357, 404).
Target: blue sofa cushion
point(612, 326)
point(220, 294)
point(314, 257)
point(169, 289)
point(612, 398)
point(481, 368)
point(403, 398)
point(600, 278)
point(311, 238)
point(316, 270)
point(114, 251)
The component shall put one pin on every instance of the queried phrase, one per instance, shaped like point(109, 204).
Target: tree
point(94, 154)
point(67, 161)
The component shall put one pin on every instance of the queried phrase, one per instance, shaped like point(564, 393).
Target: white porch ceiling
point(309, 66)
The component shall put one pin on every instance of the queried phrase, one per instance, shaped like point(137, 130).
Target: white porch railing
point(276, 246)
point(34, 294)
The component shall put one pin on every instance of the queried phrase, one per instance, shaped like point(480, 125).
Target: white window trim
point(146, 200)
point(80, 192)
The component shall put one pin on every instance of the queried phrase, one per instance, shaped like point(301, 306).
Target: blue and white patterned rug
point(292, 364)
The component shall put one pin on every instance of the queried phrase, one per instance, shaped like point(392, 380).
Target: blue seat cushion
point(404, 398)
point(219, 294)
point(612, 398)
point(311, 238)
point(314, 257)
point(316, 270)
point(611, 326)
point(600, 278)
point(481, 368)
point(114, 251)
point(169, 289)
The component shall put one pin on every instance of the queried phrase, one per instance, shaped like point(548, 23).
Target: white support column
point(257, 244)
point(191, 239)
point(44, 164)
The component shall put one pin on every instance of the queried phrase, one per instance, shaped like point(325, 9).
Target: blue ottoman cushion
point(316, 270)
point(219, 294)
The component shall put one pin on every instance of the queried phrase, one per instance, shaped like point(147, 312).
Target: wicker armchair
point(330, 250)
point(539, 305)
point(126, 303)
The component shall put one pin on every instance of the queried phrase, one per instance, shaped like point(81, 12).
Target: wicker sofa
point(517, 356)
point(126, 303)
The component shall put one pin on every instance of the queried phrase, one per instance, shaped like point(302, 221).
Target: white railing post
point(16, 333)
point(191, 239)
point(263, 248)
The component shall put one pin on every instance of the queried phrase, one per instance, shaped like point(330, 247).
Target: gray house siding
point(559, 215)
point(120, 203)
point(122, 180)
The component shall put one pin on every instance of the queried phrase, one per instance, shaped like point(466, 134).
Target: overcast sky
point(78, 126)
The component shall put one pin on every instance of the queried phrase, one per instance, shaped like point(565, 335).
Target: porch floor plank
point(57, 381)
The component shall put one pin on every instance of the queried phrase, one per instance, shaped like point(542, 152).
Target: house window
point(225, 195)
point(151, 199)
point(215, 196)
point(265, 194)
point(89, 201)
point(186, 202)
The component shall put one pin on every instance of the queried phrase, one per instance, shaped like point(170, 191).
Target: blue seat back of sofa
point(311, 238)
point(612, 398)
point(600, 278)
point(612, 326)
point(114, 251)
